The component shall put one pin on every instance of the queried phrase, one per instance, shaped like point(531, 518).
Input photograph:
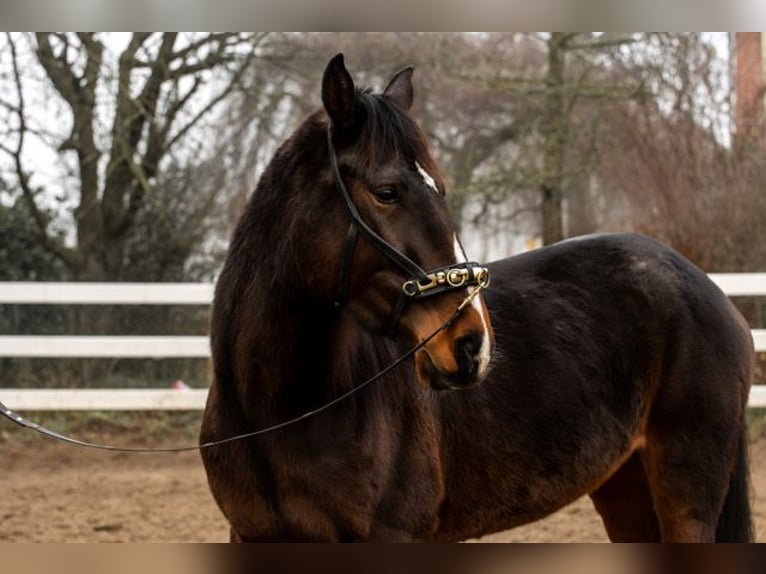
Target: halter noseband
point(420, 283)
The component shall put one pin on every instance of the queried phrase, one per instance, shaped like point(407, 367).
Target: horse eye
point(386, 195)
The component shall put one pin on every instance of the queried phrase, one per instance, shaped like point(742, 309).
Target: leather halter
point(420, 283)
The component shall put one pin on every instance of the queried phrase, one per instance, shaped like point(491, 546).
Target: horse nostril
point(471, 344)
point(467, 350)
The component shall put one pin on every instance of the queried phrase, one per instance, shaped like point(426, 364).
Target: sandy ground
point(58, 493)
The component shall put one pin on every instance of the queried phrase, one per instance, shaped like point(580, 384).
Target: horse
point(607, 366)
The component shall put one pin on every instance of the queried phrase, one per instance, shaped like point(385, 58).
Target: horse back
point(633, 297)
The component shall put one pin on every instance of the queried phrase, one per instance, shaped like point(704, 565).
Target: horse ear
point(338, 93)
point(400, 88)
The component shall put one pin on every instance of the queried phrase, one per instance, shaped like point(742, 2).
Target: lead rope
point(21, 421)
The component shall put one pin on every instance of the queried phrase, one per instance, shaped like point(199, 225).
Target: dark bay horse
point(617, 369)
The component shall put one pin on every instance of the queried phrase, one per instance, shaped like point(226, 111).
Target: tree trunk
point(554, 131)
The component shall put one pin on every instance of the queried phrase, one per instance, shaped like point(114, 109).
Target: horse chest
point(352, 488)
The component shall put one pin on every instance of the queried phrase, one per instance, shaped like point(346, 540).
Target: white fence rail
point(150, 347)
point(107, 293)
point(104, 399)
point(30, 293)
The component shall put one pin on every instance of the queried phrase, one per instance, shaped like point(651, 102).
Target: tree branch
point(210, 105)
point(57, 68)
point(600, 44)
point(130, 119)
point(41, 221)
point(196, 45)
point(160, 139)
point(158, 144)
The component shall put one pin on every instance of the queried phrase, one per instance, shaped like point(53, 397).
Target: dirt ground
point(58, 493)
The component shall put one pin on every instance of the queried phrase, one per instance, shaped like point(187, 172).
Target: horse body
point(620, 371)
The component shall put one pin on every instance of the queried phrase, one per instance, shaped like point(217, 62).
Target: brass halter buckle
point(446, 279)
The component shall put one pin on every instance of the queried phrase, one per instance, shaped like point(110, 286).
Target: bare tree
point(128, 117)
point(570, 78)
point(139, 152)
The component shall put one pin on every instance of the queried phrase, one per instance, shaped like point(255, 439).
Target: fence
point(734, 284)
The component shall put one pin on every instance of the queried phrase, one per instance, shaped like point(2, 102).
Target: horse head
point(394, 225)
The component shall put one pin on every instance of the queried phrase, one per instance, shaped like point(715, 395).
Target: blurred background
point(129, 157)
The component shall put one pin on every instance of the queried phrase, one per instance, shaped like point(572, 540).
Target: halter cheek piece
point(420, 283)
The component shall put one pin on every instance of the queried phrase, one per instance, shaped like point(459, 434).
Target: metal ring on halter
point(448, 278)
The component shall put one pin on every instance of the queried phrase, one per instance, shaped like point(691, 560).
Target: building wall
point(749, 84)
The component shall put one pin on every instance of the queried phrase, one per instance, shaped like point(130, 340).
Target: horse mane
point(388, 132)
point(262, 258)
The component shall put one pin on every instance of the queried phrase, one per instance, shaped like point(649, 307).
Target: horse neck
point(274, 341)
point(287, 363)
point(300, 352)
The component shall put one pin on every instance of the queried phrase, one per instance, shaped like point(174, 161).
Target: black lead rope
point(21, 421)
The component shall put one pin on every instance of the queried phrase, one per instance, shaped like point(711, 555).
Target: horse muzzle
point(469, 367)
point(459, 356)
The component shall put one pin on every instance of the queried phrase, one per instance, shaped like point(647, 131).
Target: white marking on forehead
point(429, 181)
